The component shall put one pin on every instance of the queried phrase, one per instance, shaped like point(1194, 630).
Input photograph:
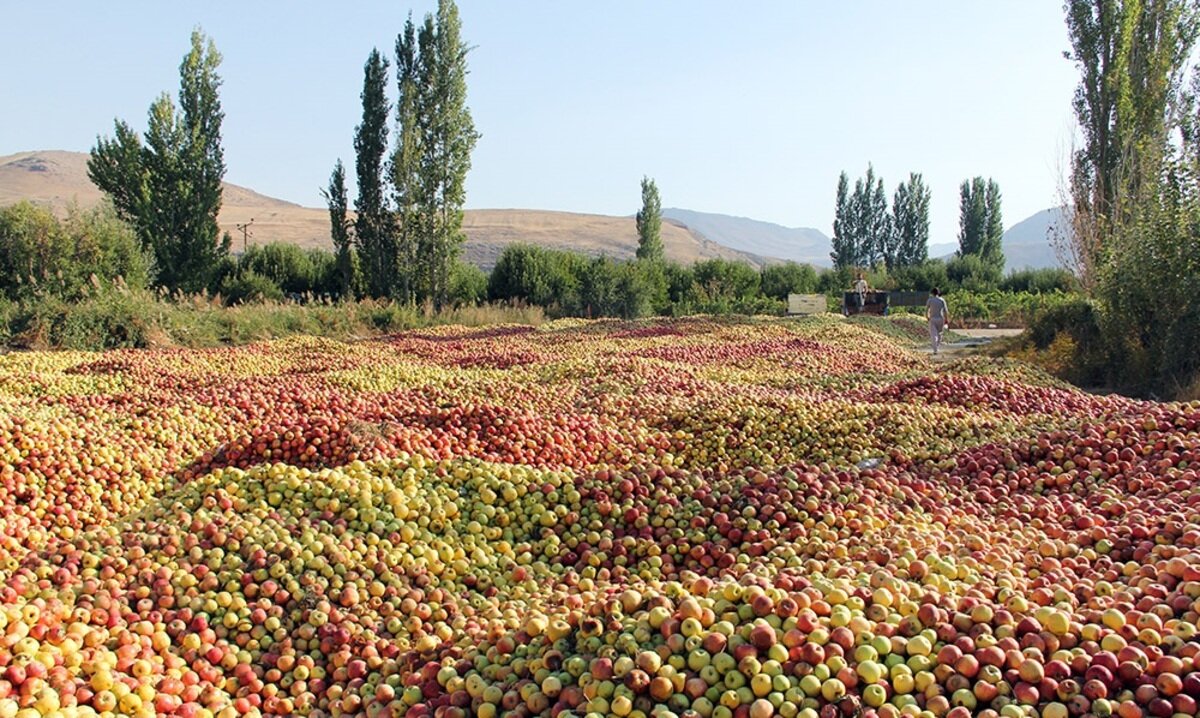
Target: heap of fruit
point(682, 518)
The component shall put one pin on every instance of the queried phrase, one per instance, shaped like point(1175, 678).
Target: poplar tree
point(980, 221)
point(1131, 56)
point(339, 231)
point(649, 223)
point(169, 188)
point(845, 252)
point(373, 226)
point(407, 188)
point(447, 139)
point(910, 217)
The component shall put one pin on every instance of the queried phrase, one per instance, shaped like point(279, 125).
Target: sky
point(749, 109)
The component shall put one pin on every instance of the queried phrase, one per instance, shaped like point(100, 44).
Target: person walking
point(938, 315)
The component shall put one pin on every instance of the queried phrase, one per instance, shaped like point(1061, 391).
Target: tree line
point(867, 234)
point(1134, 193)
point(405, 238)
point(407, 231)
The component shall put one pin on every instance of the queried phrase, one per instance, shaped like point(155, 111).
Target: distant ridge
point(56, 178)
point(765, 239)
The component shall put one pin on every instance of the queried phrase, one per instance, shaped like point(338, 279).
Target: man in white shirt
point(861, 288)
point(938, 315)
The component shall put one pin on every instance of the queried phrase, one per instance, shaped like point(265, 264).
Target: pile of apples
point(672, 519)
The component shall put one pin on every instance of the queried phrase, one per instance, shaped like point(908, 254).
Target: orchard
point(683, 518)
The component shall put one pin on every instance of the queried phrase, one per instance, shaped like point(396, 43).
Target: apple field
point(677, 518)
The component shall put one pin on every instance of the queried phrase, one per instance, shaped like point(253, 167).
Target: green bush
point(468, 284)
point(723, 280)
point(970, 272)
point(835, 281)
point(535, 275)
point(1040, 281)
point(295, 271)
point(88, 251)
point(249, 286)
point(1078, 320)
point(921, 277)
point(780, 280)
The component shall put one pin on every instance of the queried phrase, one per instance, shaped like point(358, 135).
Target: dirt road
point(977, 339)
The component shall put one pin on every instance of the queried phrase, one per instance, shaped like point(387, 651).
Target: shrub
point(293, 270)
point(835, 281)
point(547, 278)
point(922, 277)
point(88, 251)
point(468, 284)
point(1073, 325)
point(249, 286)
point(1039, 281)
point(721, 279)
point(780, 280)
point(972, 273)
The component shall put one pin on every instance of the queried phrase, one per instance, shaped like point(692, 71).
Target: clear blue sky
point(749, 109)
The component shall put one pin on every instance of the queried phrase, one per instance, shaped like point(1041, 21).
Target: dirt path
point(976, 338)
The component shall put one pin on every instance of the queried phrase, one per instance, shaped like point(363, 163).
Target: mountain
point(764, 239)
point(58, 179)
point(1027, 243)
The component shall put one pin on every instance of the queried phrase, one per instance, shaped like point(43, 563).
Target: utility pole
point(245, 230)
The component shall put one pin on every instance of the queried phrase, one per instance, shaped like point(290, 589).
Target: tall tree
point(339, 230)
point(1131, 56)
point(879, 241)
point(845, 249)
point(447, 139)
point(412, 223)
point(992, 250)
point(169, 188)
point(649, 222)
point(373, 226)
point(980, 222)
point(972, 216)
point(910, 216)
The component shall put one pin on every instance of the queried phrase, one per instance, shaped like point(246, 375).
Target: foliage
point(973, 272)
point(406, 163)
point(443, 149)
point(1135, 188)
point(649, 223)
point(1131, 57)
point(1065, 339)
point(910, 220)
point(1150, 284)
point(536, 275)
point(339, 232)
point(862, 225)
point(1046, 279)
point(981, 225)
point(373, 226)
point(249, 286)
point(923, 277)
point(120, 318)
point(468, 285)
point(293, 270)
point(68, 259)
point(724, 279)
point(845, 239)
point(169, 188)
point(780, 280)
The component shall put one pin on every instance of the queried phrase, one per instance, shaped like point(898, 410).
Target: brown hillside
point(56, 178)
